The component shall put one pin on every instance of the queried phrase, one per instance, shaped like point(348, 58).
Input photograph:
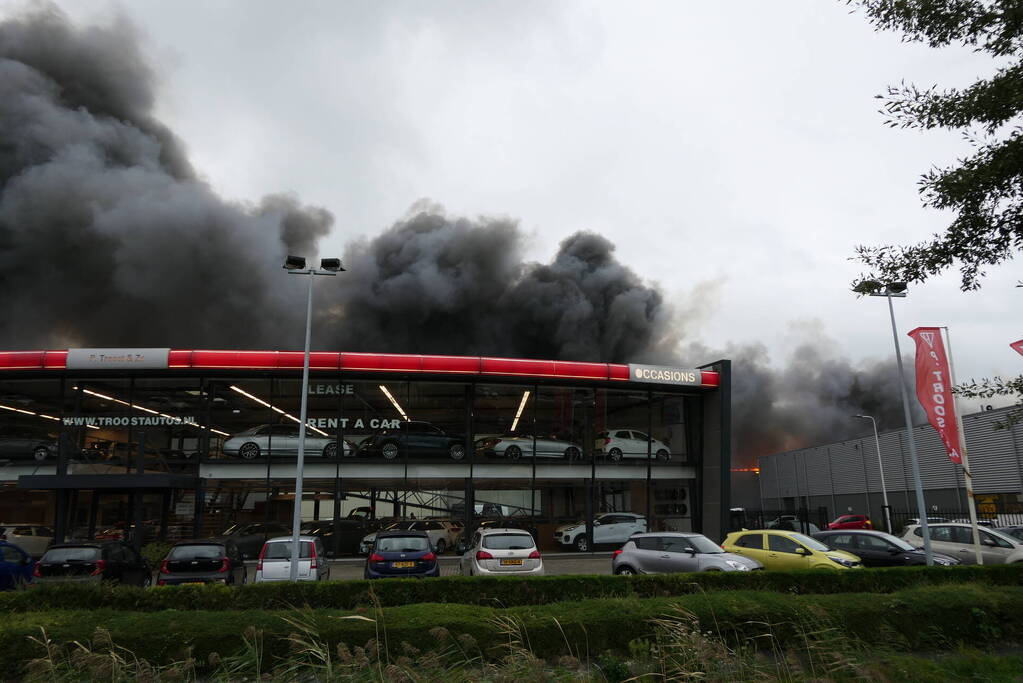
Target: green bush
point(934, 618)
point(155, 552)
point(493, 591)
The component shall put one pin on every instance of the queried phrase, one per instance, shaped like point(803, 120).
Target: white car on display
point(281, 440)
point(608, 528)
point(514, 446)
point(441, 533)
point(501, 552)
point(34, 539)
point(630, 443)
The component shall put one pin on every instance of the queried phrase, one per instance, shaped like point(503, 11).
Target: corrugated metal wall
point(851, 467)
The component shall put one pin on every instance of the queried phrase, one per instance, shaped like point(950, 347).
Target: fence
point(810, 521)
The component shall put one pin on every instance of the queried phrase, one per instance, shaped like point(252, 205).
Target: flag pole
point(967, 474)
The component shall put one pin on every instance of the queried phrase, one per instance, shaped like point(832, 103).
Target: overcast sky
point(733, 151)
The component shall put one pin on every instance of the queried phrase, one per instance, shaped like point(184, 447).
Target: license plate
point(403, 565)
point(511, 563)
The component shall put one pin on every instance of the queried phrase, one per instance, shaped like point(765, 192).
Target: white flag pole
point(967, 474)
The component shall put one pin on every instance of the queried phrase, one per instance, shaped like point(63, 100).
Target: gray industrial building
point(845, 477)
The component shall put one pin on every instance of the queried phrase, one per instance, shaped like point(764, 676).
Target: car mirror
point(987, 541)
point(596, 524)
point(802, 551)
point(893, 550)
point(691, 551)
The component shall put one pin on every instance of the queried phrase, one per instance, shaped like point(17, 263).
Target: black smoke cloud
point(106, 235)
point(109, 238)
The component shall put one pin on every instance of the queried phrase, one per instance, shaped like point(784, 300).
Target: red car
point(851, 522)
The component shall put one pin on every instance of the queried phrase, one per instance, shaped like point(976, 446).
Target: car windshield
point(196, 552)
point(507, 541)
point(809, 542)
point(71, 555)
point(400, 526)
point(896, 541)
point(231, 530)
point(402, 544)
point(704, 545)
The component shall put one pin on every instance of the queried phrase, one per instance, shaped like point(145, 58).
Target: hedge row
point(924, 619)
point(492, 591)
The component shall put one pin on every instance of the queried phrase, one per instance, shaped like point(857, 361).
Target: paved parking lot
point(554, 563)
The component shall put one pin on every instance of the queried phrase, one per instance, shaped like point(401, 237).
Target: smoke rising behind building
point(108, 237)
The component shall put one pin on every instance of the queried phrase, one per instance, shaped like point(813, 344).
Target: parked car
point(401, 553)
point(792, 523)
point(414, 439)
point(440, 533)
point(462, 542)
point(34, 539)
point(515, 446)
point(24, 443)
point(282, 440)
point(957, 540)
point(93, 562)
point(349, 533)
point(668, 553)
point(776, 549)
point(1014, 531)
point(916, 520)
point(630, 443)
point(15, 566)
point(212, 561)
point(878, 549)
point(851, 522)
point(501, 552)
point(608, 528)
point(274, 562)
point(250, 537)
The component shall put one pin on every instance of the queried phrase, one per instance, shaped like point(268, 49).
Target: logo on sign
point(929, 338)
point(663, 375)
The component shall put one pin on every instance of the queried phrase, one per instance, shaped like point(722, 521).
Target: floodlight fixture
point(294, 262)
point(331, 264)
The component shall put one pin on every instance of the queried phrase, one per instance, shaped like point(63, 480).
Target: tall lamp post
point(295, 265)
point(880, 467)
point(888, 290)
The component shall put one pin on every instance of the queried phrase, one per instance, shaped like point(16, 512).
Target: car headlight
point(737, 566)
point(843, 561)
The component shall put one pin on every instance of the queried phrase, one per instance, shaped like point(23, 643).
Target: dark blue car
point(15, 566)
point(402, 554)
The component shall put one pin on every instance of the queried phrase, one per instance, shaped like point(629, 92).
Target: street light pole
point(296, 266)
point(899, 289)
point(880, 467)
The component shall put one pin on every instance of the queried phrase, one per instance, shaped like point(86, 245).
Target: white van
point(274, 562)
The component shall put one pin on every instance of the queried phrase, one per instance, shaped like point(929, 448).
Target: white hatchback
point(501, 552)
point(630, 443)
point(274, 562)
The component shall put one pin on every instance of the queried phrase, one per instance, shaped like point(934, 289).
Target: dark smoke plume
point(106, 235)
point(108, 238)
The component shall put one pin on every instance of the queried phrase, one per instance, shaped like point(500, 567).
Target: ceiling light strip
point(518, 413)
point(273, 407)
point(394, 403)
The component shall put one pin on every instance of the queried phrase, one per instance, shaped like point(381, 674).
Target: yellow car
point(776, 549)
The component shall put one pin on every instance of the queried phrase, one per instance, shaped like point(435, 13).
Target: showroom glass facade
point(540, 453)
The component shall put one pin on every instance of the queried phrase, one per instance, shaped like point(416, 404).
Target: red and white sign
point(1018, 345)
point(934, 387)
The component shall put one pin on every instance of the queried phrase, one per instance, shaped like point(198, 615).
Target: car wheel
point(615, 454)
point(40, 454)
point(330, 450)
point(249, 451)
point(442, 546)
point(457, 451)
point(513, 452)
point(663, 455)
point(389, 451)
point(572, 453)
point(581, 543)
point(625, 570)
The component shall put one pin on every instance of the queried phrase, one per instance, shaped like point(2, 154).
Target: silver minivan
point(501, 551)
point(957, 540)
point(275, 560)
point(668, 553)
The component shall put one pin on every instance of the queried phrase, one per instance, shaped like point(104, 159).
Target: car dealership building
point(184, 443)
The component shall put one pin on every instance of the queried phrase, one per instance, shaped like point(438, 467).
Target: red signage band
point(366, 362)
point(934, 387)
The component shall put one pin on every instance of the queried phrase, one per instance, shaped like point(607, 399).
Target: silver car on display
point(630, 443)
point(514, 446)
point(669, 553)
point(957, 540)
point(610, 527)
point(282, 440)
point(501, 552)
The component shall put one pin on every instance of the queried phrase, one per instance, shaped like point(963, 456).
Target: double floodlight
point(875, 288)
point(330, 265)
